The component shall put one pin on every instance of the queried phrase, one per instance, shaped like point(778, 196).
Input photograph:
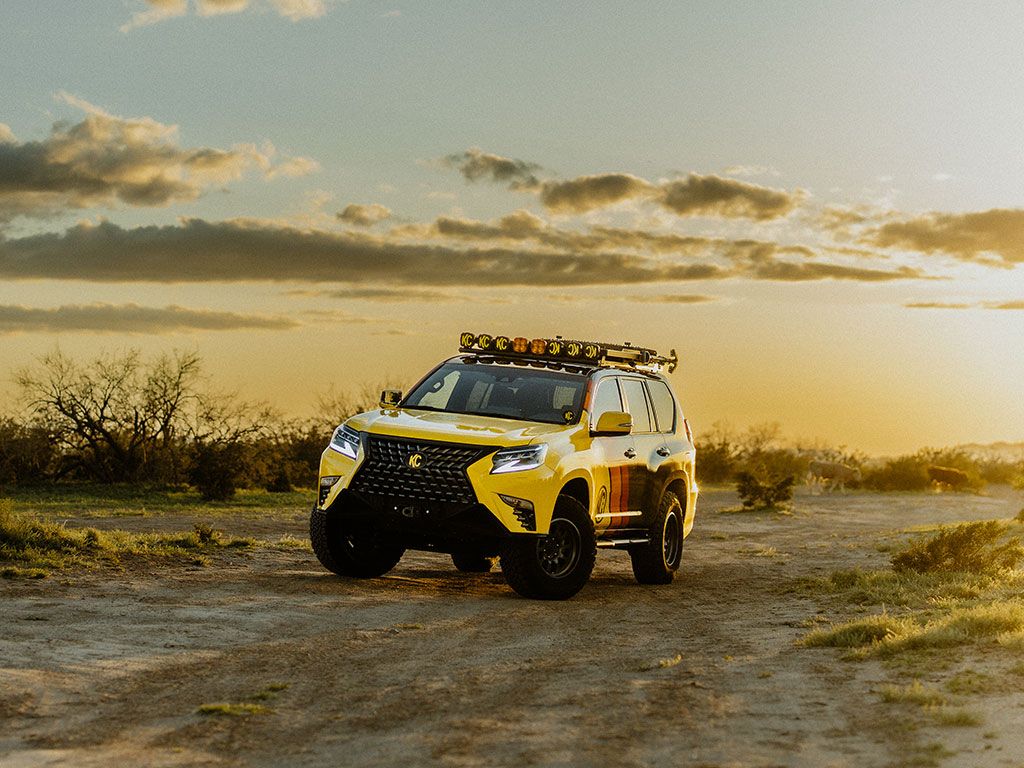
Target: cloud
point(676, 298)
point(364, 215)
point(247, 250)
point(671, 298)
point(751, 170)
point(104, 160)
point(937, 305)
point(587, 193)
point(476, 165)
point(1013, 305)
point(130, 318)
point(720, 197)
point(387, 295)
point(993, 237)
point(161, 10)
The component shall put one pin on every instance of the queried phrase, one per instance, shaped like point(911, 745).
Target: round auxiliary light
point(503, 343)
point(519, 344)
point(538, 346)
point(467, 339)
point(554, 347)
point(591, 351)
point(485, 341)
point(573, 349)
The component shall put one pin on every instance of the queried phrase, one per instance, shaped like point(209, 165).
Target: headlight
point(519, 459)
point(345, 441)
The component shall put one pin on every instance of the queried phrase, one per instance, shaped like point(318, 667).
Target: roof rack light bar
point(572, 350)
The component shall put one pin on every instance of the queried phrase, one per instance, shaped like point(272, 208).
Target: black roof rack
point(569, 351)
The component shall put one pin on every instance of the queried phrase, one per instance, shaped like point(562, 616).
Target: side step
point(623, 538)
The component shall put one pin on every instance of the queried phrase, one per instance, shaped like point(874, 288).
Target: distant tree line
point(725, 456)
point(124, 419)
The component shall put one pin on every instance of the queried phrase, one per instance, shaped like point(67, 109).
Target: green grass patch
point(884, 635)
point(224, 709)
point(90, 500)
point(956, 717)
point(30, 543)
point(970, 683)
point(915, 693)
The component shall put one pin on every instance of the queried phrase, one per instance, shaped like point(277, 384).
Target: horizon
point(819, 209)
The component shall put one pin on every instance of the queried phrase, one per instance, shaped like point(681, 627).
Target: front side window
point(503, 391)
point(606, 399)
point(636, 404)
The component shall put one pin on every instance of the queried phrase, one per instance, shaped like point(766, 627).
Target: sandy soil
point(428, 666)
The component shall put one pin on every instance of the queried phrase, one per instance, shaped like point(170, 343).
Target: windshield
point(504, 391)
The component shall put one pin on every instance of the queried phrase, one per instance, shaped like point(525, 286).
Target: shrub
point(903, 473)
point(970, 547)
point(762, 494)
point(216, 470)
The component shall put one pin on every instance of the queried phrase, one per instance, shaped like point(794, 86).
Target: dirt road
point(432, 667)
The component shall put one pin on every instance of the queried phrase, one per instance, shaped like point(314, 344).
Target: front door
point(618, 500)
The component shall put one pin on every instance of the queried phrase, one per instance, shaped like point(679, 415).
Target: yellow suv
point(538, 452)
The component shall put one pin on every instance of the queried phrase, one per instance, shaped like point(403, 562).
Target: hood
point(454, 427)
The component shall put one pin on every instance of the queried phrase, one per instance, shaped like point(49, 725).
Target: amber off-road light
point(538, 346)
point(519, 344)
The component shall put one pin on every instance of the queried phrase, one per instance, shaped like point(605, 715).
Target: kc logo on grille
point(415, 460)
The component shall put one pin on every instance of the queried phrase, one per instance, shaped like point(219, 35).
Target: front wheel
point(557, 565)
point(657, 561)
point(348, 553)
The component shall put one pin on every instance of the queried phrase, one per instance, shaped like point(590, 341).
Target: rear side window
point(636, 404)
point(664, 405)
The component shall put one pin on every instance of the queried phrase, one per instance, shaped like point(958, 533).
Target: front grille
point(439, 474)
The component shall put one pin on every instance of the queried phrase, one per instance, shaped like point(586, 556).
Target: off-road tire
point(348, 554)
point(657, 561)
point(556, 566)
point(472, 562)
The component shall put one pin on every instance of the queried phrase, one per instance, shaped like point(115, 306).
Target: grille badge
point(415, 460)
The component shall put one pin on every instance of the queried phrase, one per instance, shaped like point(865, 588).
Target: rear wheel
point(348, 553)
point(557, 565)
point(657, 561)
point(472, 562)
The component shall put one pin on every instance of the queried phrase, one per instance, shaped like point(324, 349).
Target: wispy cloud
point(476, 165)
point(131, 319)
point(254, 250)
point(364, 215)
point(156, 11)
point(104, 160)
point(988, 237)
point(693, 195)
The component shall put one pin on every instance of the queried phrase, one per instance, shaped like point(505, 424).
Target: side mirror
point(390, 398)
point(613, 423)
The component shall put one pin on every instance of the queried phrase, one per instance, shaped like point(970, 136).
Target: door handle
point(663, 451)
point(630, 453)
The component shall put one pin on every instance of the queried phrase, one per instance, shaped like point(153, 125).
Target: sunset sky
point(819, 205)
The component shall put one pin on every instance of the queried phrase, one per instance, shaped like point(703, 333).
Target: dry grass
point(29, 546)
point(915, 693)
point(884, 635)
point(224, 709)
point(977, 547)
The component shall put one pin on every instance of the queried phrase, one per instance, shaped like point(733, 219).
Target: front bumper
point(402, 496)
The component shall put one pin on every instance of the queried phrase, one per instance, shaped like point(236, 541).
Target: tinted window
point(605, 399)
point(664, 405)
point(636, 404)
point(498, 390)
